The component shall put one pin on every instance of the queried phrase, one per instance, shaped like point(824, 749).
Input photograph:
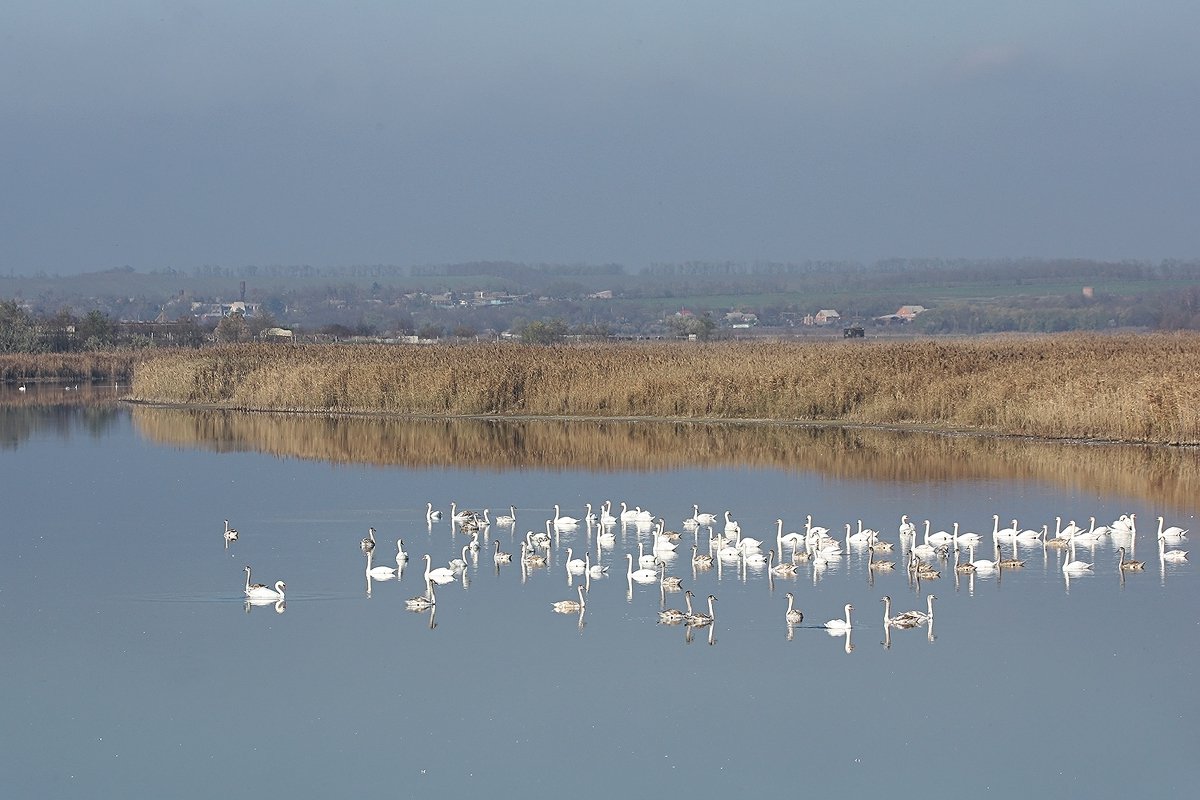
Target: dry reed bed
point(1130, 388)
point(70, 367)
point(1162, 477)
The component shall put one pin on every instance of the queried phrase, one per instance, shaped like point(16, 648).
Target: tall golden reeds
point(1130, 388)
point(114, 365)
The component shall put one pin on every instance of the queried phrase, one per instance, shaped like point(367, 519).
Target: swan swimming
point(840, 624)
point(439, 575)
point(792, 615)
point(699, 618)
point(642, 575)
point(380, 573)
point(570, 606)
point(257, 591)
point(563, 521)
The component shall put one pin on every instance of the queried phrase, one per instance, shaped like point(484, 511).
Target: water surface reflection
point(1162, 476)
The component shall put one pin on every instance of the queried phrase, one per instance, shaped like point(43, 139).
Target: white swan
point(564, 521)
point(968, 538)
point(642, 575)
point(731, 526)
point(906, 527)
point(818, 530)
point(257, 591)
point(1028, 535)
point(1123, 524)
point(606, 517)
point(1171, 532)
point(401, 553)
point(1002, 533)
point(925, 549)
point(439, 575)
point(661, 540)
point(983, 564)
point(460, 563)
point(841, 624)
point(1067, 532)
point(593, 570)
point(793, 538)
point(941, 537)
point(704, 518)
point(231, 534)
point(379, 573)
point(1070, 565)
point(575, 564)
point(368, 542)
point(792, 615)
point(430, 514)
point(570, 606)
point(645, 559)
point(1090, 536)
point(509, 519)
point(460, 516)
point(753, 556)
point(263, 593)
point(1174, 556)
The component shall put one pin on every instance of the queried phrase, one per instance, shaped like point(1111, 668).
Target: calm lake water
point(133, 666)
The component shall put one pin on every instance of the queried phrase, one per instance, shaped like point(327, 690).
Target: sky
point(179, 134)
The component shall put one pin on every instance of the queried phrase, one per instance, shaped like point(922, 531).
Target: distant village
point(211, 314)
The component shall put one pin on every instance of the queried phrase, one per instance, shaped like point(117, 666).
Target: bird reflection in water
point(279, 605)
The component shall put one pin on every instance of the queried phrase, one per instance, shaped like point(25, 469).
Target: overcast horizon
point(156, 135)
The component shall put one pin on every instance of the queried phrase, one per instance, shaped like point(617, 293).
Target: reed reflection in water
point(1161, 476)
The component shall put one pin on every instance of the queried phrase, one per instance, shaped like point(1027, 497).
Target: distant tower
point(243, 297)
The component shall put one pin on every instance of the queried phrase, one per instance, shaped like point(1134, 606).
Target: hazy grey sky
point(176, 134)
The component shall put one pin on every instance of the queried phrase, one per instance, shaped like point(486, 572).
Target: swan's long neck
point(847, 616)
point(279, 588)
point(247, 580)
